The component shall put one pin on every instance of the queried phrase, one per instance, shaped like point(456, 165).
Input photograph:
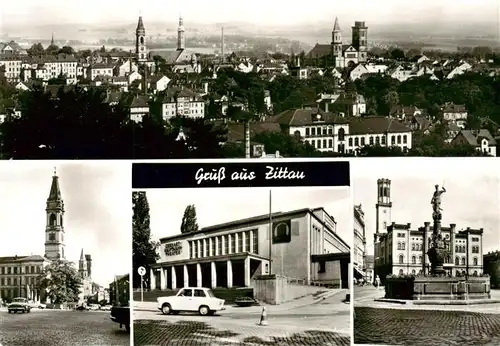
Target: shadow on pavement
point(312, 337)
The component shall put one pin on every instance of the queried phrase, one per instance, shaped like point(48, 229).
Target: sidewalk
point(257, 309)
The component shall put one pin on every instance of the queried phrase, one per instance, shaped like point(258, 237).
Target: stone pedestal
point(451, 288)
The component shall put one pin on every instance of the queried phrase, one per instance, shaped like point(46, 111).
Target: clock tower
point(54, 229)
point(384, 205)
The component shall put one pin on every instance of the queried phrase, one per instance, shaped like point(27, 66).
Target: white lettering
point(214, 175)
point(243, 175)
point(283, 173)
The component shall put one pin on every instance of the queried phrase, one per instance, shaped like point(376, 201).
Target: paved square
point(421, 327)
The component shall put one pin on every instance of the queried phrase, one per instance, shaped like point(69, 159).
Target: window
point(213, 241)
point(226, 244)
point(383, 140)
point(233, 242)
point(322, 267)
point(219, 246)
point(377, 140)
point(420, 259)
point(413, 247)
point(52, 236)
point(475, 261)
point(195, 243)
point(402, 246)
point(240, 242)
point(371, 140)
point(350, 141)
point(255, 244)
point(186, 293)
point(356, 141)
point(247, 241)
point(463, 261)
point(190, 249)
point(399, 139)
point(413, 260)
point(405, 139)
point(330, 143)
point(52, 219)
point(341, 134)
point(362, 141)
point(313, 131)
point(307, 132)
point(401, 272)
point(199, 293)
point(401, 259)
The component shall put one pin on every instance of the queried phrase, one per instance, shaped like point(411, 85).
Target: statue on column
point(436, 200)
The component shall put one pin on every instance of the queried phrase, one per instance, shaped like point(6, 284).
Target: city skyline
point(167, 207)
point(412, 186)
point(95, 198)
point(383, 11)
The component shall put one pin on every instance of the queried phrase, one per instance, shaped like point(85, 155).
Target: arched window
point(141, 40)
point(463, 272)
point(401, 272)
point(399, 139)
point(475, 273)
point(405, 139)
point(475, 261)
point(413, 246)
point(399, 246)
point(356, 142)
point(53, 219)
point(419, 259)
point(61, 219)
point(401, 259)
point(341, 134)
point(385, 224)
point(386, 192)
point(463, 261)
point(413, 260)
point(350, 141)
point(371, 140)
point(457, 261)
point(402, 246)
point(393, 140)
point(456, 248)
point(297, 134)
point(413, 272)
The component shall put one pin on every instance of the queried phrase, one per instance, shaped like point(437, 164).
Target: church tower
point(54, 229)
point(82, 266)
point(140, 42)
point(360, 40)
point(383, 206)
point(180, 35)
point(336, 39)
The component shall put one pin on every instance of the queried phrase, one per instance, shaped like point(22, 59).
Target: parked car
point(121, 315)
point(19, 304)
point(106, 307)
point(199, 299)
point(94, 307)
point(35, 305)
point(82, 307)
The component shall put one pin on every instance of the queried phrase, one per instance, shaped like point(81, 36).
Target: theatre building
point(303, 246)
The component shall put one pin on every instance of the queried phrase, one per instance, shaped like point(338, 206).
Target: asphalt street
point(60, 327)
point(399, 324)
point(326, 323)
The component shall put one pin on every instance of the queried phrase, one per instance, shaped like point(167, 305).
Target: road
point(60, 327)
point(324, 323)
point(381, 323)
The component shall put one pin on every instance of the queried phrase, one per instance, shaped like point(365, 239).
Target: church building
point(20, 275)
point(340, 55)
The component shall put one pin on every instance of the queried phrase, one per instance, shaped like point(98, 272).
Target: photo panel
point(65, 254)
point(432, 251)
point(242, 253)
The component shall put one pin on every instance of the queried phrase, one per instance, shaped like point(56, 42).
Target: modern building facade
point(303, 245)
point(20, 276)
point(401, 250)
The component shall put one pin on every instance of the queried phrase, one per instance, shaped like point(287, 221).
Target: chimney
point(88, 259)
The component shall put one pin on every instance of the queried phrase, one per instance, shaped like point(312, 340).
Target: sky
point(471, 198)
point(215, 206)
point(278, 12)
point(96, 196)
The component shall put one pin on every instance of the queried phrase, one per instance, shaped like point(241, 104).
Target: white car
point(191, 299)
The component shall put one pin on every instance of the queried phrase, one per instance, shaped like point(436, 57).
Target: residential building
point(12, 65)
point(158, 83)
point(101, 70)
point(302, 244)
point(50, 67)
point(180, 102)
point(482, 140)
point(491, 263)
point(359, 246)
point(12, 48)
point(455, 113)
point(328, 132)
point(139, 108)
point(399, 249)
point(119, 290)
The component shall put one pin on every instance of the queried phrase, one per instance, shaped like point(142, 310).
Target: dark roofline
point(331, 257)
point(251, 221)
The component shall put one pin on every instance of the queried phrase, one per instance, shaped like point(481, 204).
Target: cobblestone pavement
point(430, 328)
point(56, 327)
point(191, 332)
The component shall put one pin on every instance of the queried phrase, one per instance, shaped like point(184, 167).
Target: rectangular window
point(214, 242)
point(195, 249)
point(247, 241)
point(322, 267)
point(233, 242)
point(219, 245)
point(190, 249)
point(226, 244)
point(240, 242)
point(255, 244)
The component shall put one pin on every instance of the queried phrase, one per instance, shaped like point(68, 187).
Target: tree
point(61, 282)
point(36, 50)
point(67, 50)
point(143, 248)
point(397, 54)
point(52, 50)
point(189, 223)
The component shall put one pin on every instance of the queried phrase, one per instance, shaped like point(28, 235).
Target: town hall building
point(302, 245)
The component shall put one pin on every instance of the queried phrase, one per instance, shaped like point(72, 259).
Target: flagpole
point(270, 231)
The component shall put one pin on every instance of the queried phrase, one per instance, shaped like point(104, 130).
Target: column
point(163, 281)
point(236, 240)
point(173, 276)
point(223, 245)
point(247, 271)
point(229, 274)
point(152, 279)
point(214, 274)
point(186, 275)
point(199, 281)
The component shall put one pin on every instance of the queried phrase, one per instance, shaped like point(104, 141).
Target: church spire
point(336, 26)
point(55, 191)
point(180, 34)
point(52, 40)
point(140, 26)
point(82, 258)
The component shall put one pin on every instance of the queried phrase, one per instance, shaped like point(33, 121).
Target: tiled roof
point(375, 125)
point(450, 107)
point(100, 65)
point(113, 96)
point(140, 101)
point(305, 117)
point(319, 50)
point(474, 137)
point(9, 259)
point(236, 131)
point(172, 93)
